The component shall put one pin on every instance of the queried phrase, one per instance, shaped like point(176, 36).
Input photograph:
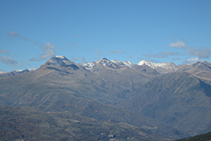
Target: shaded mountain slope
point(177, 99)
point(202, 137)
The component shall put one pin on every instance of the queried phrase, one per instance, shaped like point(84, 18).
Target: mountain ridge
point(116, 64)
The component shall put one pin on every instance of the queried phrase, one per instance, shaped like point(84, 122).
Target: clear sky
point(32, 31)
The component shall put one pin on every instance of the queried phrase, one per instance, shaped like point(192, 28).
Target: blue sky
point(32, 31)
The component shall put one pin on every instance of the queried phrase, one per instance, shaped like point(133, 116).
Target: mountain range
point(158, 100)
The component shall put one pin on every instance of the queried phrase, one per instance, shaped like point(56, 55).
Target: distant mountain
point(116, 64)
point(201, 70)
point(104, 66)
point(16, 72)
point(160, 67)
point(160, 99)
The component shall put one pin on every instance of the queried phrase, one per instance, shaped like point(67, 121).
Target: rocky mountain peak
point(104, 61)
point(114, 64)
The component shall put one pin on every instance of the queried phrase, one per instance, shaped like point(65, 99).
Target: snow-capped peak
point(91, 65)
point(148, 63)
point(155, 65)
point(104, 61)
point(107, 63)
point(114, 64)
point(167, 66)
point(2, 72)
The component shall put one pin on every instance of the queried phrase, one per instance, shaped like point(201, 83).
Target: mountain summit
point(60, 61)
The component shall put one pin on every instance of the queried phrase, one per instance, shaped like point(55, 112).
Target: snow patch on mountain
point(117, 62)
point(26, 70)
point(18, 70)
point(89, 66)
point(61, 57)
